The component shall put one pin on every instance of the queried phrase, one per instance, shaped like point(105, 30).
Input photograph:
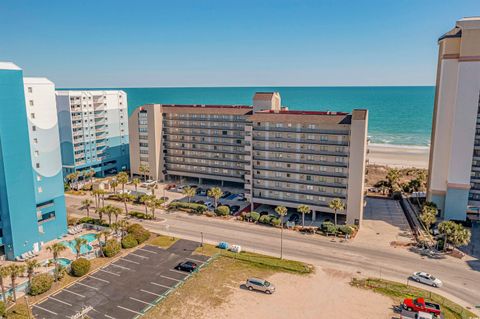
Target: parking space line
point(138, 313)
point(198, 261)
point(81, 284)
point(148, 251)
point(140, 256)
point(37, 306)
point(160, 285)
point(177, 271)
point(91, 276)
point(149, 292)
point(108, 316)
point(120, 266)
point(60, 301)
point(130, 261)
point(108, 272)
point(73, 293)
point(170, 278)
point(144, 302)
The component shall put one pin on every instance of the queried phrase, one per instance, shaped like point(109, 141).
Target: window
point(34, 128)
point(37, 165)
point(39, 178)
point(40, 190)
point(30, 102)
point(32, 115)
point(36, 153)
point(30, 89)
point(35, 140)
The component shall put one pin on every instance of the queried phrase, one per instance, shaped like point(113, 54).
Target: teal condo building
point(32, 202)
point(93, 131)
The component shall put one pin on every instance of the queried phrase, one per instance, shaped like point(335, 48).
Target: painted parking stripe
point(170, 278)
point(99, 279)
point(144, 302)
point(109, 317)
point(81, 284)
point(160, 285)
point(138, 313)
point(115, 265)
point(148, 251)
point(178, 271)
point(73, 293)
point(140, 256)
point(108, 272)
point(149, 292)
point(53, 313)
point(130, 261)
point(198, 261)
point(60, 301)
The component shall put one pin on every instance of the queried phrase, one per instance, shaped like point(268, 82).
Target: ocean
point(397, 115)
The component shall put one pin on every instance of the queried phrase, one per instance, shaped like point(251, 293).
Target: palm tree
point(145, 199)
point(15, 271)
point(116, 212)
point(31, 265)
point(86, 204)
point(215, 193)
point(154, 204)
point(56, 249)
point(144, 169)
point(73, 179)
point(108, 211)
point(282, 211)
point(126, 198)
point(79, 242)
point(123, 225)
point(113, 185)
point(135, 183)
point(393, 176)
point(304, 209)
point(122, 178)
point(337, 205)
point(90, 174)
point(101, 194)
point(4, 273)
point(189, 192)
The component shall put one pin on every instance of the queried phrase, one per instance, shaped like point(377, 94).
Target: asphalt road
point(461, 279)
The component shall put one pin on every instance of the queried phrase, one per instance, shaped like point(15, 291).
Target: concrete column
point(314, 215)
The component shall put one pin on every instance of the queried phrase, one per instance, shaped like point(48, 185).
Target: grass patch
point(258, 260)
point(163, 241)
point(398, 291)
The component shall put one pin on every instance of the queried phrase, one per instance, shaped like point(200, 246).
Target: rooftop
point(210, 106)
point(8, 66)
point(293, 112)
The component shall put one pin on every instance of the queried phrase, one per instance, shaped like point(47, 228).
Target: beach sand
point(399, 156)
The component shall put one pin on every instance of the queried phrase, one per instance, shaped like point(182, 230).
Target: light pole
point(201, 244)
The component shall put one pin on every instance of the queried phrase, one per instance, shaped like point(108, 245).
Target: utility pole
point(201, 244)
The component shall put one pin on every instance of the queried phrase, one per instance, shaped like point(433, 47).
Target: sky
point(182, 43)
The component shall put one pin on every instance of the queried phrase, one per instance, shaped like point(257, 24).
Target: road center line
point(170, 278)
point(138, 313)
point(149, 292)
point(108, 272)
point(81, 284)
point(160, 285)
point(99, 279)
point(60, 301)
point(130, 261)
point(54, 313)
point(144, 302)
point(73, 293)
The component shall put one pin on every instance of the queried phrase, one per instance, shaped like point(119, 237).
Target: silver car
point(260, 284)
point(426, 278)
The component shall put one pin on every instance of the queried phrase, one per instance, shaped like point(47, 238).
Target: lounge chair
point(24, 256)
point(19, 259)
point(30, 254)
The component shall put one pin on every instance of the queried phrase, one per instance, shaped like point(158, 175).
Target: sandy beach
point(399, 156)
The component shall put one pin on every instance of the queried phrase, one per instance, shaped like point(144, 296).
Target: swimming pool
point(64, 262)
point(85, 248)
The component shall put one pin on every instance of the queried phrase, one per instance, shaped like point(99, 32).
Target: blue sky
point(106, 43)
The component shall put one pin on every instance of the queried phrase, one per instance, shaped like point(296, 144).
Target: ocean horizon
point(398, 115)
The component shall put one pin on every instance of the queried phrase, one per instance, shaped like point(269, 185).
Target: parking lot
point(125, 288)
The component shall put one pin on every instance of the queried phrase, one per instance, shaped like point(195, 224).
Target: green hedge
point(139, 215)
point(138, 232)
point(193, 207)
point(129, 242)
point(40, 284)
point(345, 229)
point(328, 227)
point(275, 221)
point(266, 219)
point(80, 267)
point(222, 211)
point(254, 216)
point(111, 248)
point(90, 220)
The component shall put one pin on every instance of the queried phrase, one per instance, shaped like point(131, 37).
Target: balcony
point(101, 144)
point(298, 140)
point(299, 171)
point(301, 130)
point(99, 130)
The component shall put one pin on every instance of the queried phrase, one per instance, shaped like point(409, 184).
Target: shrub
point(139, 215)
point(90, 220)
point(275, 221)
point(346, 229)
point(80, 267)
point(266, 219)
point(222, 211)
point(129, 242)
point(328, 227)
point(254, 216)
point(111, 248)
point(3, 309)
point(138, 232)
point(190, 207)
point(40, 284)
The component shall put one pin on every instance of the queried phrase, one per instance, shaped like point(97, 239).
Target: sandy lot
point(325, 294)
point(398, 156)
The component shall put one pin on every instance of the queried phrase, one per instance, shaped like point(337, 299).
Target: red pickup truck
point(420, 304)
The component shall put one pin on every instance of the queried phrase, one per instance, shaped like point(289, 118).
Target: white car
point(426, 278)
point(148, 183)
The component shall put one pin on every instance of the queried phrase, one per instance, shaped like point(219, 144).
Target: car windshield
point(266, 284)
